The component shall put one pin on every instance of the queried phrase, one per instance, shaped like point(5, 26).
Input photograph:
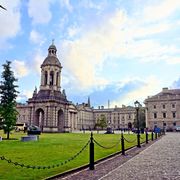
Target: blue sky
point(122, 50)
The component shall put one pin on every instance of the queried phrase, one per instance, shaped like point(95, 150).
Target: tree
point(101, 122)
point(8, 94)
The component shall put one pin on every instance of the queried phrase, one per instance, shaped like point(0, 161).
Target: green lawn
point(52, 149)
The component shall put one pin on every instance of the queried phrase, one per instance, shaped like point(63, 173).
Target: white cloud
point(39, 11)
point(73, 31)
point(160, 10)
point(36, 63)
point(85, 55)
point(20, 68)
point(150, 86)
point(36, 37)
point(98, 5)
point(151, 51)
point(24, 95)
point(10, 19)
point(66, 4)
point(173, 60)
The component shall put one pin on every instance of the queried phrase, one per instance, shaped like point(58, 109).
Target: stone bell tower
point(49, 105)
point(51, 71)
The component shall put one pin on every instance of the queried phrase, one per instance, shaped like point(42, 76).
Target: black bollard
point(146, 137)
point(91, 156)
point(138, 140)
point(152, 136)
point(156, 135)
point(122, 144)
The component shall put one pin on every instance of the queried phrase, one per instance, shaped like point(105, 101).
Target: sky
point(116, 50)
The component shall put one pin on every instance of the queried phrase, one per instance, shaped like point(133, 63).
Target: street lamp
point(137, 106)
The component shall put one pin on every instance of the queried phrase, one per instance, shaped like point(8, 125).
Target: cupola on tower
point(51, 71)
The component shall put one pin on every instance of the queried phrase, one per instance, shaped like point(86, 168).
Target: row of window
point(129, 116)
point(164, 106)
point(165, 115)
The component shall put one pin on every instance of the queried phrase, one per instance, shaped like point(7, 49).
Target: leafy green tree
point(8, 94)
point(101, 122)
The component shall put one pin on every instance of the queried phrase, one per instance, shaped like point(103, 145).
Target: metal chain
point(104, 146)
point(45, 167)
point(129, 140)
point(141, 137)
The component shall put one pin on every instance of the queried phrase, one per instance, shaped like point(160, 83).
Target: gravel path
point(160, 161)
point(101, 169)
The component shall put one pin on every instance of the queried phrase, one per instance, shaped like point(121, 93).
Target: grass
point(52, 149)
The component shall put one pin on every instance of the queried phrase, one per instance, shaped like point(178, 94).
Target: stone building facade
point(163, 109)
point(52, 112)
point(85, 116)
point(118, 117)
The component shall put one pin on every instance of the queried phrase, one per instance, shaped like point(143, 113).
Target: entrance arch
point(39, 120)
point(60, 120)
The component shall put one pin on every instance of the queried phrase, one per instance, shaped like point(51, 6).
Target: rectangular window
point(164, 106)
point(154, 106)
point(173, 105)
point(164, 115)
point(174, 114)
point(155, 115)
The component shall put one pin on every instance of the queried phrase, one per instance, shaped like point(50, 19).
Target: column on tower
point(48, 77)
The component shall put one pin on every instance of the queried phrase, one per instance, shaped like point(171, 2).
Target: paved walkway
point(160, 161)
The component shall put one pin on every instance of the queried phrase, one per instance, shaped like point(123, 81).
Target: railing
point(91, 143)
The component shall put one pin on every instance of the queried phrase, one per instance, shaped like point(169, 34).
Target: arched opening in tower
point(39, 119)
point(60, 120)
point(51, 78)
point(57, 78)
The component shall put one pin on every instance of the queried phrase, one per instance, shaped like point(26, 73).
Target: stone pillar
point(54, 83)
point(47, 123)
point(48, 77)
point(59, 81)
point(55, 116)
point(42, 78)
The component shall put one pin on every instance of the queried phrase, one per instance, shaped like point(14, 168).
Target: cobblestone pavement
point(160, 161)
point(102, 168)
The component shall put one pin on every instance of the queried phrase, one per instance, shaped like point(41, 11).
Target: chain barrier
point(142, 138)
point(104, 146)
point(129, 140)
point(45, 167)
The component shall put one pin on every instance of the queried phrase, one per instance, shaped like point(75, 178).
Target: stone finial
point(64, 92)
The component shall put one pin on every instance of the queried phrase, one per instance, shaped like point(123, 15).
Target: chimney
point(165, 89)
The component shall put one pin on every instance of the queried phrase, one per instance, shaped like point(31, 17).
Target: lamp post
point(137, 106)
